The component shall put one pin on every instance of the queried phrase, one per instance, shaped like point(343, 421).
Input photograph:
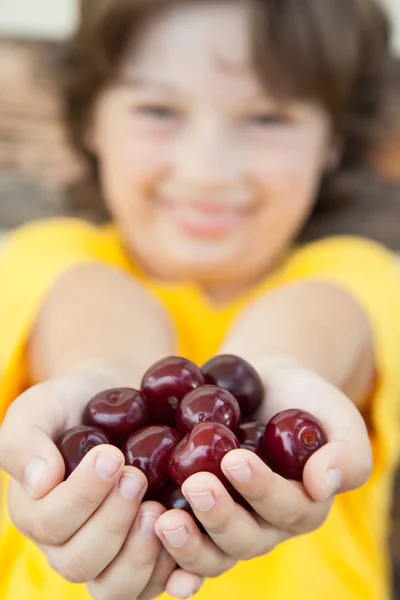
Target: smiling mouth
point(207, 220)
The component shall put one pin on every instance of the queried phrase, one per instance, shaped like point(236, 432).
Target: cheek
point(130, 155)
point(137, 161)
point(287, 174)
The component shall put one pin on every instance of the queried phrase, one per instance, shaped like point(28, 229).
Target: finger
point(130, 572)
point(97, 543)
point(34, 419)
point(163, 570)
point(330, 470)
point(78, 497)
point(282, 503)
point(27, 451)
point(233, 529)
point(192, 551)
point(183, 585)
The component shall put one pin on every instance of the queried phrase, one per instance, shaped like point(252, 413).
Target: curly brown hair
point(335, 52)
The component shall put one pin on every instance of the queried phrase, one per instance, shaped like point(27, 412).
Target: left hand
point(283, 509)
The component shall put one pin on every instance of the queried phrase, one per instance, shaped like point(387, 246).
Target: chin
point(177, 260)
point(193, 270)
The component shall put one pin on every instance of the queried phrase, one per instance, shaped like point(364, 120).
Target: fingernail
point(202, 501)
point(176, 537)
point(202, 581)
point(178, 596)
point(333, 482)
point(33, 473)
point(130, 486)
point(241, 473)
point(106, 466)
point(147, 522)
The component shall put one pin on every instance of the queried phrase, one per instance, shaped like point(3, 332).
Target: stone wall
point(36, 164)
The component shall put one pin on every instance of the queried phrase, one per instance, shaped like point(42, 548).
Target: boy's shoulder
point(60, 235)
point(343, 251)
point(65, 226)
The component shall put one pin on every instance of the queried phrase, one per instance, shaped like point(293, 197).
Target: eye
point(159, 112)
point(268, 120)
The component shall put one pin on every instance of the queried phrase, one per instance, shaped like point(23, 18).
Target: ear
point(90, 140)
point(333, 155)
point(90, 135)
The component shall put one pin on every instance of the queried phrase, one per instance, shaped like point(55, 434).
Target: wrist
point(266, 362)
point(107, 373)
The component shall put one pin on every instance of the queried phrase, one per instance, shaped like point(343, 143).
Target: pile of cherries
point(184, 419)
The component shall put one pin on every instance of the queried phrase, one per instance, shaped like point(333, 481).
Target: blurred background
point(40, 175)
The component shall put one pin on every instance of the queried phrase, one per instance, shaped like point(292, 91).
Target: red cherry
point(165, 384)
point(249, 435)
point(119, 412)
point(76, 442)
point(171, 497)
point(239, 378)
point(202, 450)
point(290, 438)
point(207, 403)
point(149, 449)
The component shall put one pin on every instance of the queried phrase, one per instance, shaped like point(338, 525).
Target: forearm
point(96, 318)
point(316, 324)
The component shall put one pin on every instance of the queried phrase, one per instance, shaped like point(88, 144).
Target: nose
point(205, 157)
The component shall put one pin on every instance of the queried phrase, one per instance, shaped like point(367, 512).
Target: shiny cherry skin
point(290, 438)
point(207, 403)
point(165, 384)
point(202, 450)
point(76, 442)
point(238, 377)
point(118, 412)
point(149, 449)
point(171, 497)
point(249, 434)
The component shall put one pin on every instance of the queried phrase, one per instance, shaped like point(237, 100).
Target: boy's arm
point(306, 340)
point(318, 325)
point(96, 321)
point(96, 318)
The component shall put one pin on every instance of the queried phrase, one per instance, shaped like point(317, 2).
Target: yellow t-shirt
point(345, 559)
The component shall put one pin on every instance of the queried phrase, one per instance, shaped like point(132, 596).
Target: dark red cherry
point(119, 412)
point(166, 383)
point(202, 450)
point(207, 403)
point(149, 449)
point(290, 438)
point(249, 435)
point(239, 378)
point(171, 497)
point(76, 442)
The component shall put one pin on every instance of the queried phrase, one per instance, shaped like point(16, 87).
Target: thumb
point(27, 450)
point(36, 418)
point(338, 467)
point(33, 460)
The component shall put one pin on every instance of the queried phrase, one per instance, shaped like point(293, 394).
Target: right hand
point(93, 527)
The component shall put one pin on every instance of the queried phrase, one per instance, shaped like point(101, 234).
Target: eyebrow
point(134, 82)
point(140, 82)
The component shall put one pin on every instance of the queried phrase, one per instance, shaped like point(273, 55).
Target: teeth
point(207, 219)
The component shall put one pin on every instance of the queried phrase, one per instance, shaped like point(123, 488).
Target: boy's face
point(206, 174)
